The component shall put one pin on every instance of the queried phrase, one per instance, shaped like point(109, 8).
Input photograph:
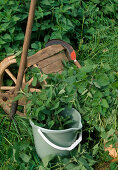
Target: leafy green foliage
point(46, 106)
point(73, 21)
point(91, 27)
point(10, 27)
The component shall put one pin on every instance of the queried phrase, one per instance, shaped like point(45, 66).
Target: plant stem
point(8, 141)
point(59, 121)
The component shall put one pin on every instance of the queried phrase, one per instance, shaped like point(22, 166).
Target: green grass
point(102, 48)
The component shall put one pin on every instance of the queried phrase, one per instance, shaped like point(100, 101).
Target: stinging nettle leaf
point(34, 82)
point(34, 45)
point(25, 157)
point(55, 106)
point(45, 2)
point(51, 123)
point(102, 79)
point(62, 91)
point(104, 103)
point(7, 37)
point(56, 35)
point(19, 37)
point(58, 111)
point(19, 96)
point(89, 94)
point(95, 148)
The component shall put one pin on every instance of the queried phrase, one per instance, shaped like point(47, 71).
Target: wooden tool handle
point(77, 64)
point(24, 53)
point(26, 45)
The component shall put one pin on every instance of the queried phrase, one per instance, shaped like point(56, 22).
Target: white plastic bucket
point(57, 142)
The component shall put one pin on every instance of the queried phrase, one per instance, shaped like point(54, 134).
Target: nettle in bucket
point(56, 124)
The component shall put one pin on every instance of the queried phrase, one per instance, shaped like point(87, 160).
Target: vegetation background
point(91, 27)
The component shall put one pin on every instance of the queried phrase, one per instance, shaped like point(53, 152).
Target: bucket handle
point(59, 147)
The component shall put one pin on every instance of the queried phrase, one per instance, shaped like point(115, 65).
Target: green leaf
point(50, 124)
point(49, 92)
point(109, 8)
point(34, 82)
point(58, 111)
point(113, 165)
point(9, 50)
point(42, 116)
point(12, 30)
point(110, 132)
point(88, 68)
point(39, 102)
point(25, 157)
point(68, 89)
point(46, 38)
point(91, 30)
point(96, 85)
point(62, 91)
point(69, 23)
point(104, 103)
point(84, 92)
point(7, 38)
point(26, 88)
point(4, 26)
point(55, 106)
point(36, 45)
point(115, 84)
point(19, 96)
point(84, 162)
point(19, 37)
point(68, 122)
point(106, 67)
point(42, 96)
point(56, 35)
point(42, 77)
point(38, 110)
point(15, 18)
point(95, 149)
point(39, 13)
point(36, 26)
point(71, 166)
point(41, 167)
point(28, 107)
point(81, 88)
point(47, 159)
point(2, 42)
point(46, 13)
point(89, 94)
point(102, 79)
point(45, 2)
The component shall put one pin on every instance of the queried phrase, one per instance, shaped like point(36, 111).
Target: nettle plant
point(45, 107)
point(92, 90)
point(13, 15)
point(98, 100)
point(74, 21)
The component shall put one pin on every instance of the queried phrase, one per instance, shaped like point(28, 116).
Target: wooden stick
point(30, 81)
point(24, 54)
point(11, 75)
point(7, 87)
point(34, 90)
point(25, 45)
point(77, 64)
